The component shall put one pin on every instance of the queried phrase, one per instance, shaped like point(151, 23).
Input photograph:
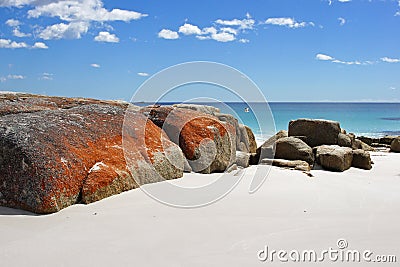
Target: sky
point(299, 50)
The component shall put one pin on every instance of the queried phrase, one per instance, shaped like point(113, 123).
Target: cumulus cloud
point(243, 24)
point(76, 16)
point(94, 65)
point(342, 21)
point(73, 30)
point(223, 37)
point(188, 29)
point(344, 1)
point(18, 33)
point(244, 41)
point(40, 45)
point(390, 60)
point(13, 22)
point(6, 43)
point(143, 74)
point(106, 37)
point(168, 34)
point(288, 22)
point(84, 10)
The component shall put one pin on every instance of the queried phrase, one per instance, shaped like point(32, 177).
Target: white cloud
point(40, 45)
point(229, 30)
point(14, 3)
point(344, 1)
point(188, 29)
point(15, 77)
point(208, 30)
point(94, 65)
point(17, 33)
point(168, 34)
point(244, 41)
point(6, 43)
point(106, 37)
point(342, 21)
point(397, 14)
point(73, 30)
point(288, 22)
point(223, 37)
point(143, 74)
point(83, 10)
point(201, 37)
point(13, 22)
point(323, 57)
point(3, 79)
point(46, 76)
point(243, 24)
point(390, 60)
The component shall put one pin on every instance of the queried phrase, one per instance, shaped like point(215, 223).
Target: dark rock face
point(293, 149)
point(361, 159)
point(317, 132)
point(395, 145)
point(207, 143)
point(334, 158)
point(55, 158)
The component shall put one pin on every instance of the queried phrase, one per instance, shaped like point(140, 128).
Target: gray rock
point(293, 149)
point(232, 168)
point(395, 146)
point(334, 158)
point(387, 140)
point(289, 164)
point(267, 149)
point(344, 140)
point(252, 140)
point(318, 132)
point(358, 144)
point(242, 159)
point(361, 159)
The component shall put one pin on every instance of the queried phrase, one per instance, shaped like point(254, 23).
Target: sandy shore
point(290, 211)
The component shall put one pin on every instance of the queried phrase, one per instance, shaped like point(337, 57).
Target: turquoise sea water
point(368, 119)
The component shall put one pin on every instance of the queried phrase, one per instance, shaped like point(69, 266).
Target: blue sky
point(310, 50)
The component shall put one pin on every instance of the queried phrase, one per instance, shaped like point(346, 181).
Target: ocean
point(362, 119)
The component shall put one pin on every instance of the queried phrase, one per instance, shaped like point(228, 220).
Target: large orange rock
point(207, 142)
point(55, 158)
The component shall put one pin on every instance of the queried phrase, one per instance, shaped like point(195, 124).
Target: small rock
point(395, 146)
point(361, 159)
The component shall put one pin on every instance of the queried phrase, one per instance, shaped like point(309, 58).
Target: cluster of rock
point(390, 142)
point(55, 152)
point(314, 142)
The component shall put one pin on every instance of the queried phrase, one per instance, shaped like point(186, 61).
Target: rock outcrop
point(55, 158)
point(316, 132)
point(334, 158)
point(292, 148)
point(207, 143)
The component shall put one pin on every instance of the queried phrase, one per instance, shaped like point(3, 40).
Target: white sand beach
point(291, 211)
